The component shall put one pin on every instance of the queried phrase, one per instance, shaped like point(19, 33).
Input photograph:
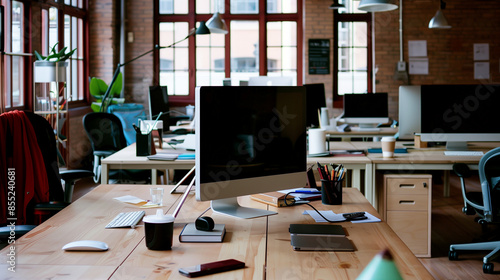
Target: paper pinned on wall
point(419, 66)
point(481, 70)
point(417, 48)
point(481, 52)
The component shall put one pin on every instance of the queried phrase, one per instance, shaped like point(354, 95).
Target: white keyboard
point(463, 153)
point(126, 219)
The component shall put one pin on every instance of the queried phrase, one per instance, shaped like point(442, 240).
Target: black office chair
point(59, 196)
point(106, 136)
point(485, 204)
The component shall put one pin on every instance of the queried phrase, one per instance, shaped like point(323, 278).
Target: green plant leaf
point(53, 50)
point(95, 106)
point(97, 87)
point(39, 56)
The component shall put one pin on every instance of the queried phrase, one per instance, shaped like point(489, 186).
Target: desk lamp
point(201, 30)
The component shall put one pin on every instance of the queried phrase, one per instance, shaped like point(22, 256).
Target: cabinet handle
point(407, 202)
point(425, 185)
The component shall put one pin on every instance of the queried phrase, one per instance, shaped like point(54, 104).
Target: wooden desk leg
point(356, 179)
point(370, 184)
point(104, 173)
point(154, 178)
point(446, 183)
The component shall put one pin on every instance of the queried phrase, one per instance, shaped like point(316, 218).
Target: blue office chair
point(485, 204)
point(128, 114)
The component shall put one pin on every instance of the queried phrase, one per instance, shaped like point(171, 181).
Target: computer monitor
point(270, 81)
point(249, 140)
point(158, 103)
point(456, 114)
point(366, 110)
point(315, 100)
point(409, 112)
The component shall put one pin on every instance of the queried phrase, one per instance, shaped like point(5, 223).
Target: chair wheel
point(453, 255)
point(488, 268)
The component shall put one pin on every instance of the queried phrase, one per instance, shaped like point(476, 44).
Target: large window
point(353, 57)
point(61, 22)
point(264, 38)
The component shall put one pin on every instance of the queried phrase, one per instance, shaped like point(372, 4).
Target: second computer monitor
point(366, 110)
point(158, 103)
point(315, 100)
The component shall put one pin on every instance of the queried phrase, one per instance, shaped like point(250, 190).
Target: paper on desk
point(130, 199)
point(330, 215)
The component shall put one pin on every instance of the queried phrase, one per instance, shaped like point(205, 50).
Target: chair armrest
point(462, 170)
point(103, 153)
point(72, 175)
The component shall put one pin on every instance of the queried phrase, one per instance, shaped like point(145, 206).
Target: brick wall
point(450, 51)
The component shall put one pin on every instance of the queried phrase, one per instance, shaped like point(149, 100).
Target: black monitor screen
point(371, 105)
point(250, 132)
point(158, 103)
point(315, 100)
point(460, 108)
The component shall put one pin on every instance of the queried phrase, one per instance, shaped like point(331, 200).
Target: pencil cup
point(143, 144)
point(331, 192)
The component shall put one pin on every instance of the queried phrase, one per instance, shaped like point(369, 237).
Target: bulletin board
point(319, 56)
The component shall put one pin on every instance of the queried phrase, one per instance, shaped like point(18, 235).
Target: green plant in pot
point(98, 88)
point(46, 67)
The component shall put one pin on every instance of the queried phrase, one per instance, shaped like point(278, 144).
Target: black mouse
point(204, 223)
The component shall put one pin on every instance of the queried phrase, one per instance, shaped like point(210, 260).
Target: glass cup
point(157, 196)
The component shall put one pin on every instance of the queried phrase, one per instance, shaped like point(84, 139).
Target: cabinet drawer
point(405, 185)
point(413, 229)
point(407, 202)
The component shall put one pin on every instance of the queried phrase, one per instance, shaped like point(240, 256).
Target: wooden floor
point(449, 226)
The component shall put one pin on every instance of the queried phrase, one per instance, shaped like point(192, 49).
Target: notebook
point(190, 234)
point(320, 243)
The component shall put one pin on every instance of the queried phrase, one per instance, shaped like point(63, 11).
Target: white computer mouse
point(86, 245)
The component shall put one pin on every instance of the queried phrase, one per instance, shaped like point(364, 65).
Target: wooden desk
point(127, 159)
point(417, 160)
point(262, 243)
point(356, 133)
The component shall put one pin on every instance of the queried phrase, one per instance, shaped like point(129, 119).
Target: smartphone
point(211, 268)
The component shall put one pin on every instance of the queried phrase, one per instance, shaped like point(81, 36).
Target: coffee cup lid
point(159, 218)
point(388, 138)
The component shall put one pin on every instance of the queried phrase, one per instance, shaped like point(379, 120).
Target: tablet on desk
point(320, 243)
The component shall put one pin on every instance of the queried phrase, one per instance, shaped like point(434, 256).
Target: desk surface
point(262, 243)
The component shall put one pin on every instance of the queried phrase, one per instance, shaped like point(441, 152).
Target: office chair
point(129, 114)
point(106, 137)
point(58, 196)
point(485, 204)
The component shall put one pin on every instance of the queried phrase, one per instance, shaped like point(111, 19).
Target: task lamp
point(439, 21)
point(377, 5)
point(201, 30)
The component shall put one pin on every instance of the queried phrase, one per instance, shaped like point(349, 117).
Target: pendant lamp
point(336, 5)
point(439, 21)
point(377, 5)
point(216, 24)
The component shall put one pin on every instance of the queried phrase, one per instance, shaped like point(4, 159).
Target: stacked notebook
point(314, 237)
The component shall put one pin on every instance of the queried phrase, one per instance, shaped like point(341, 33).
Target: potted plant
point(98, 88)
point(46, 67)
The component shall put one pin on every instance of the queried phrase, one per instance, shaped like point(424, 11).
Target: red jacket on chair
point(23, 176)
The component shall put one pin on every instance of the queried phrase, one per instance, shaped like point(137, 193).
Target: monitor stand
point(231, 207)
point(456, 146)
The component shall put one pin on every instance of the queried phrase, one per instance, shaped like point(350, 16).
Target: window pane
point(17, 16)
point(209, 6)
point(281, 6)
point(282, 49)
point(174, 61)
point(351, 6)
point(244, 50)
point(173, 6)
point(52, 28)
point(244, 6)
point(210, 60)
point(353, 57)
point(17, 81)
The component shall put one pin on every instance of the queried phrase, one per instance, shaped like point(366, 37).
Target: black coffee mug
point(159, 231)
